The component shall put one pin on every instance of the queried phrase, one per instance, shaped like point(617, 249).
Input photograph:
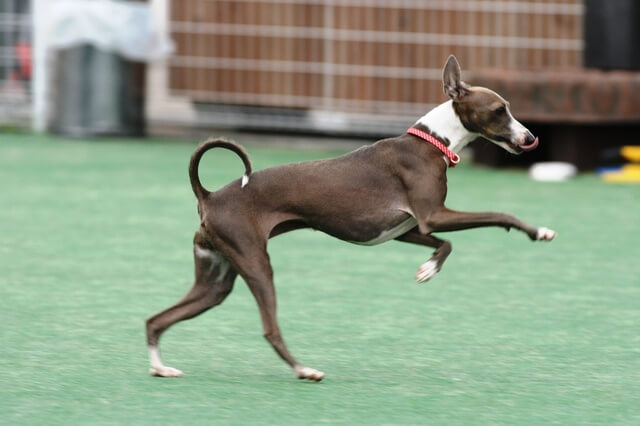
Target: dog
point(392, 189)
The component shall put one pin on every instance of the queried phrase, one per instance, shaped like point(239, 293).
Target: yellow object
point(631, 153)
point(629, 173)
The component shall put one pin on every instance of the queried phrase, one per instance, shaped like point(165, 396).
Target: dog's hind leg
point(254, 266)
point(432, 266)
point(214, 279)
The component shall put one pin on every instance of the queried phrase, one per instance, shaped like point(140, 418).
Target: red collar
point(452, 156)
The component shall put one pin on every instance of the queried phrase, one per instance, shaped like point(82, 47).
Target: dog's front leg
point(444, 220)
point(432, 266)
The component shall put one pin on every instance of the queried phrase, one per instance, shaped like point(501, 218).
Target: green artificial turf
point(95, 236)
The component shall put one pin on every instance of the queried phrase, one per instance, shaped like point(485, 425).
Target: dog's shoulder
point(408, 159)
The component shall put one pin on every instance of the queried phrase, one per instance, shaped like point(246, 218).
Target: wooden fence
point(359, 56)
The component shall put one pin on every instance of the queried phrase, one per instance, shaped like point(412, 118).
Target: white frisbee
point(552, 171)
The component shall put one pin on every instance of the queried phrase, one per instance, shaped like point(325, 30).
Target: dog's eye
point(500, 110)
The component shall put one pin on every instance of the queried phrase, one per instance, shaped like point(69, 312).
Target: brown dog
point(393, 189)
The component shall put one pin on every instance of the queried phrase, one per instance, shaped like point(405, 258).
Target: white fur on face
point(518, 135)
point(518, 131)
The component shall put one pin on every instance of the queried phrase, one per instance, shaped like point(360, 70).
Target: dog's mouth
point(519, 149)
point(533, 145)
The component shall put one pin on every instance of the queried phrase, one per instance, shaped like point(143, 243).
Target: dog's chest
point(391, 233)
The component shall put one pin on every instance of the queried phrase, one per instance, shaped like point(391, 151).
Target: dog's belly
point(390, 234)
point(363, 229)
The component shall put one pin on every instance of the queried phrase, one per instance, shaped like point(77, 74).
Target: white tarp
point(126, 28)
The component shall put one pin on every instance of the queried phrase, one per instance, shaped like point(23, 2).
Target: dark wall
point(612, 34)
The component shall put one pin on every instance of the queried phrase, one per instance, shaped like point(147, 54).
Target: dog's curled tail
point(197, 187)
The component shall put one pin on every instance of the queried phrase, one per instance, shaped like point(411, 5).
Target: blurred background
point(571, 68)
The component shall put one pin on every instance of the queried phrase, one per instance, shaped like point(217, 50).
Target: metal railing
point(15, 62)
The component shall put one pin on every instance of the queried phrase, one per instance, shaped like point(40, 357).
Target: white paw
point(426, 271)
point(164, 371)
point(309, 373)
point(545, 234)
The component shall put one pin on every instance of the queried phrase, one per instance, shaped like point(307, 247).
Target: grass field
point(95, 236)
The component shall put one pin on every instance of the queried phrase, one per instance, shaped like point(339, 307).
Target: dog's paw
point(426, 271)
point(164, 371)
point(545, 234)
point(309, 373)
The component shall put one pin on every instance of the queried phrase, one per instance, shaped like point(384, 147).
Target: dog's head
point(486, 113)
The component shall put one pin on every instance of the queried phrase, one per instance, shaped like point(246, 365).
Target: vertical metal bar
point(486, 28)
point(303, 81)
point(446, 29)
point(499, 19)
point(9, 43)
point(3, 52)
point(566, 27)
point(227, 74)
point(327, 68)
point(40, 65)
point(458, 28)
point(512, 52)
point(38, 107)
point(370, 93)
point(433, 22)
point(471, 25)
point(579, 35)
point(288, 54)
point(199, 51)
point(564, 57)
point(235, 51)
point(384, 48)
point(538, 31)
point(341, 22)
point(188, 49)
point(27, 28)
point(252, 46)
point(342, 57)
point(523, 55)
point(264, 49)
point(211, 78)
point(277, 77)
point(550, 30)
point(419, 92)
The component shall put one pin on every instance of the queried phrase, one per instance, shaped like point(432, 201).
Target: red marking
point(452, 156)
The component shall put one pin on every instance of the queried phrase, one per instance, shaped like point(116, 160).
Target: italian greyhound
point(393, 189)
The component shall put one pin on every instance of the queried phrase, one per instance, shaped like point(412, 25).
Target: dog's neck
point(444, 123)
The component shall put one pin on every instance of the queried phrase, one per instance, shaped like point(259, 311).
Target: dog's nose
point(529, 138)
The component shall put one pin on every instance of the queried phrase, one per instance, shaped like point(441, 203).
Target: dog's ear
point(453, 86)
